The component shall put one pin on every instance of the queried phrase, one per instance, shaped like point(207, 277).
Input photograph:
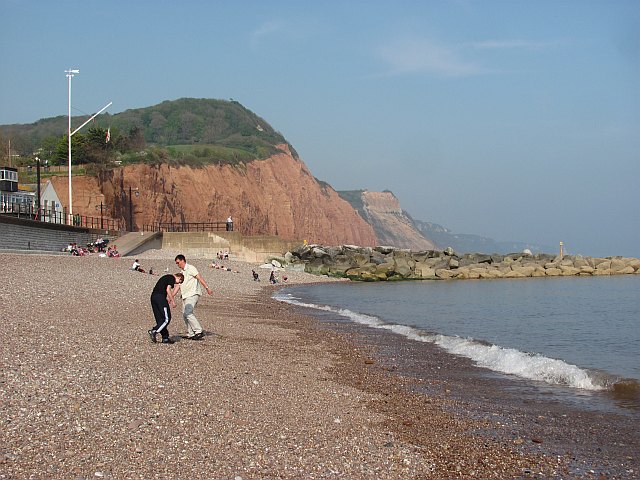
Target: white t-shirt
point(191, 285)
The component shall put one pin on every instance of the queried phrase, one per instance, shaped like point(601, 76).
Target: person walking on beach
point(191, 291)
point(162, 297)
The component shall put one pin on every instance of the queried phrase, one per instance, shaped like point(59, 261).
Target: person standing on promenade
point(162, 297)
point(191, 291)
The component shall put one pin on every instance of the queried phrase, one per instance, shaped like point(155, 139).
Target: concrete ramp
point(137, 242)
point(257, 248)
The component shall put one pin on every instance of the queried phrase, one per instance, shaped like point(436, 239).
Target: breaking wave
point(511, 361)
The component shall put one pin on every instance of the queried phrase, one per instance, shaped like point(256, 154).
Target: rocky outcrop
point(276, 196)
point(391, 224)
point(388, 264)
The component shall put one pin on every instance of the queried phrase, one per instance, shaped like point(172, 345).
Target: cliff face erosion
point(276, 196)
point(391, 224)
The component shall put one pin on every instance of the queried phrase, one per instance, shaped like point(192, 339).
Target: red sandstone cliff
point(276, 196)
point(391, 224)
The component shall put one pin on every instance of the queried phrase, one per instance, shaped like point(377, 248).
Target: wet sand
point(594, 442)
point(268, 393)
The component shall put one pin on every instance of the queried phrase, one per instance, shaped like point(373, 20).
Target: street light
point(38, 188)
point(131, 208)
point(70, 73)
point(101, 217)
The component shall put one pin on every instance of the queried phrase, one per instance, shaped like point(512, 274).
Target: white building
point(12, 199)
point(51, 205)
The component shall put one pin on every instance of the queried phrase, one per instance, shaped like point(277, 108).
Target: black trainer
point(152, 335)
point(167, 340)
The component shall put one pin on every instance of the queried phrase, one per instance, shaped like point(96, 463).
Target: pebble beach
point(268, 393)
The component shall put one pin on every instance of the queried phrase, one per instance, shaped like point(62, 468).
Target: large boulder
point(491, 273)
point(445, 273)
point(552, 272)
point(569, 270)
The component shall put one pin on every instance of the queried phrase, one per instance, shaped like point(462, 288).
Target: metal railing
point(28, 211)
point(185, 227)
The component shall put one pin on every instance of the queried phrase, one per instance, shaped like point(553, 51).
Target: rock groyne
point(390, 264)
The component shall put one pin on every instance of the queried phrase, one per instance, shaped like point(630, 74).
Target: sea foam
point(511, 361)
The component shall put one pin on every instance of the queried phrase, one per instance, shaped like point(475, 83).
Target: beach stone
point(426, 272)
point(624, 271)
point(568, 270)
point(463, 274)
point(491, 273)
point(634, 262)
point(526, 271)
point(580, 262)
point(514, 274)
point(602, 272)
point(135, 424)
point(445, 273)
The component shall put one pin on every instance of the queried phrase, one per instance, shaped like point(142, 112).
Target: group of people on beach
point(190, 283)
point(79, 251)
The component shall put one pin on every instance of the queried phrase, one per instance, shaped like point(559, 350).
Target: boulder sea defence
point(390, 264)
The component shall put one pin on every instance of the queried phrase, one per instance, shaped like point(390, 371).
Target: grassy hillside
point(186, 131)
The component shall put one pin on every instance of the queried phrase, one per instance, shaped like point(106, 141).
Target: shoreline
point(269, 393)
point(592, 442)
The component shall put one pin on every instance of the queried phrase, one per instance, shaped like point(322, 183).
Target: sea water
point(580, 334)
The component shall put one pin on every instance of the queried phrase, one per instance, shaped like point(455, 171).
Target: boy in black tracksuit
point(161, 297)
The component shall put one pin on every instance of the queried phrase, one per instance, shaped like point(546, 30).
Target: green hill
point(185, 131)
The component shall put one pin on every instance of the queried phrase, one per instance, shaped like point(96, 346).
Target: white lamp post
point(70, 73)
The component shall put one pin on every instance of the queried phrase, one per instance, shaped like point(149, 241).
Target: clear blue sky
point(517, 120)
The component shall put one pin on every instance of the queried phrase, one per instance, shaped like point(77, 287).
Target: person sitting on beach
point(272, 277)
point(256, 278)
point(137, 267)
